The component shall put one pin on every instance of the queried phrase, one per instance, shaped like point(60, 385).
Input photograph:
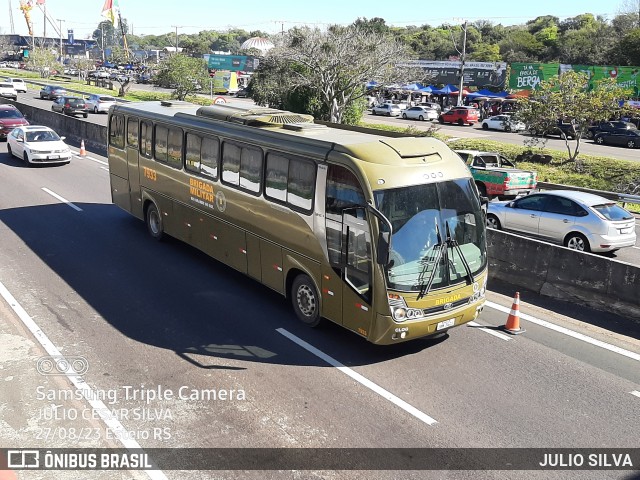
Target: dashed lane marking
point(62, 199)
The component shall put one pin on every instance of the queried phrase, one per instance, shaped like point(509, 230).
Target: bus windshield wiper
point(453, 243)
point(432, 257)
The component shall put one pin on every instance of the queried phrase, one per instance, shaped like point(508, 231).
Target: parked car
point(38, 145)
point(8, 91)
point(563, 126)
point(99, 74)
point(70, 106)
point(626, 138)
point(436, 106)
point(19, 84)
point(242, 93)
point(388, 109)
point(503, 122)
point(497, 176)
point(99, 103)
point(10, 118)
point(609, 127)
point(51, 92)
point(144, 78)
point(420, 113)
point(577, 220)
point(460, 115)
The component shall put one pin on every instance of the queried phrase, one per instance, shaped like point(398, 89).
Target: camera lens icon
point(60, 365)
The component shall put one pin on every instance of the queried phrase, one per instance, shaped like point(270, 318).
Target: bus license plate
point(446, 324)
point(53, 157)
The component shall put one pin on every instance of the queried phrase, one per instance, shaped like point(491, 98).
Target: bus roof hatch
point(408, 147)
point(261, 116)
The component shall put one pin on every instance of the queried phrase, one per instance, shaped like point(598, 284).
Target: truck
point(225, 82)
point(497, 176)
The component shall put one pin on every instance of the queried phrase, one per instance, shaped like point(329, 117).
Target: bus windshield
point(439, 235)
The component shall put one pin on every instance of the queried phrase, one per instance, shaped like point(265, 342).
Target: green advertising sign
point(527, 76)
point(233, 63)
point(627, 77)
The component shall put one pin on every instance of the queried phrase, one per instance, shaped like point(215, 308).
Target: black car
point(70, 106)
point(51, 92)
point(608, 127)
point(242, 93)
point(626, 138)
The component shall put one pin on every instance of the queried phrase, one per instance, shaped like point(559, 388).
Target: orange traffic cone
point(513, 320)
point(83, 152)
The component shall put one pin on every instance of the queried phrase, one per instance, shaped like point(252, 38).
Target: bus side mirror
point(384, 244)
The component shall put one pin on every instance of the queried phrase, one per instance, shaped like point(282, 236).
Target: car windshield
point(42, 136)
point(438, 234)
point(10, 114)
point(612, 212)
point(75, 101)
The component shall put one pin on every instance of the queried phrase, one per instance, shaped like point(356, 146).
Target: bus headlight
point(399, 314)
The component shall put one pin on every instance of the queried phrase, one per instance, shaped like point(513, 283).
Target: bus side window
point(116, 131)
point(132, 132)
point(146, 139)
point(160, 147)
point(174, 148)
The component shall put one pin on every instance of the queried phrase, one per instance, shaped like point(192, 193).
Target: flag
point(110, 11)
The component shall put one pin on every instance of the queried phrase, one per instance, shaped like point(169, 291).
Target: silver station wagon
point(580, 221)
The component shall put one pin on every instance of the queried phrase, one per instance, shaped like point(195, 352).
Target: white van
point(19, 84)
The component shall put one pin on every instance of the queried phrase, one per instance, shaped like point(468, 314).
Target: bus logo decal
point(221, 201)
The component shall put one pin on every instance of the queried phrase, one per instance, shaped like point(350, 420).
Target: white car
point(8, 91)
point(99, 103)
point(388, 109)
point(19, 84)
point(503, 122)
point(420, 113)
point(38, 145)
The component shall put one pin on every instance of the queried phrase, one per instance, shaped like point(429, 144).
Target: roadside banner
point(527, 76)
point(627, 77)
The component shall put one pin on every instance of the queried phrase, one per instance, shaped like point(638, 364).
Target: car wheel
point(388, 114)
point(577, 241)
point(590, 135)
point(25, 158)
point(493, 222)
point(482, 189)
point(440, 119)
point(599, 140)
point(421, 118)
point(85, 115)
point(153, 219)
point(507, 129)
point(631, 144)
point(460, 122)
point(373, 112)
point(485, 126)
point(95, 109)
point(9, 149)
point(404, 115)
point(305, 301)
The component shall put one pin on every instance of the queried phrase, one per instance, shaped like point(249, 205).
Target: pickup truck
point(496, 176)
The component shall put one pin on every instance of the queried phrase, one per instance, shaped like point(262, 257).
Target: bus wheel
point(154, 222)
point(304, 298)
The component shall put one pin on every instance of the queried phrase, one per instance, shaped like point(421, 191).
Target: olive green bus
point(380, 233)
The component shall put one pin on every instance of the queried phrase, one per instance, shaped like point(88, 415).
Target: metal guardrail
point(618, 197)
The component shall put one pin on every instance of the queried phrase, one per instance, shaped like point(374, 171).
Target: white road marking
point(636, 247)
point(77, 154)
point(636, 393)
point(571, 333)
point(55, 195)
point(88, 393)
point(489, 331)
point(360, 379)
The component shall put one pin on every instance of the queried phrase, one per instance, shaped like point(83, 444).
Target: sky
point(156, 17)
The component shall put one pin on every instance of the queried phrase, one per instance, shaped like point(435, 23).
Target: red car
point(460, 115)
point(10, 118)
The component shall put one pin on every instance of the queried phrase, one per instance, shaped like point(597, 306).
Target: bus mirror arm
point(383, 247)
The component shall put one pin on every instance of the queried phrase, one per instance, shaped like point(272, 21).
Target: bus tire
point(153, 219)
point(305, 301)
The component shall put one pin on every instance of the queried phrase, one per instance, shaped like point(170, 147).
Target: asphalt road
point(148, 315)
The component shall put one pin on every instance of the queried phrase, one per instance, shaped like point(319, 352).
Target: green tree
point(628, 50)
point(519, 45)
point(485, 52)
point(335, 63)
point(567, 97)
point(186, 75)
point(44, 61)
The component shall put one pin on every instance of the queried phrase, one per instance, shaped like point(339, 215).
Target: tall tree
point(337, 63)
point(186, 75)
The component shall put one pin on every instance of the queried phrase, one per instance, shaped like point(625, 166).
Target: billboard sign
point(527, 76)
point(476, 74)
point(232, 63)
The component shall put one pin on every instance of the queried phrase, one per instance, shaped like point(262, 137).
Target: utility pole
point(462, 60)
point(176, 27)
point(60, 39)
point(102, 43)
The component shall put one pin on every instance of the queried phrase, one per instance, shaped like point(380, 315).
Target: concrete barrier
point(577, 277)
point(583, 278)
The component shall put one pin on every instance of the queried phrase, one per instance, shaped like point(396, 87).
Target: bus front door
point(357, 314)
point(133, 166)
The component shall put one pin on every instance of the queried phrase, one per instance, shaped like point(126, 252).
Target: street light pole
point(462, 60)
point(59, 20)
